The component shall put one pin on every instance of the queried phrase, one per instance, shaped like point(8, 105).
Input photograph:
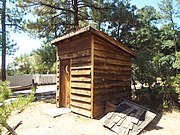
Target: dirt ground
point(34, 122)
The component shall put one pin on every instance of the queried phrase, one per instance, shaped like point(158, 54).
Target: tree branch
point(58, 8)
point(92, 6)
point(10, 129)
point(15, 127)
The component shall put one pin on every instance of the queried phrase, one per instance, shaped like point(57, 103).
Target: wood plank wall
point(79, 51)
point(112, 74)
point(57, 78)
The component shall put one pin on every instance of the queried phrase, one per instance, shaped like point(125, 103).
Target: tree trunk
point(134, 83)
point(76, 19)
point(99, 25)
point(3, 25)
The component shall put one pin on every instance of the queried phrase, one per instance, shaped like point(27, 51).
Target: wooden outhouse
point(92, 68)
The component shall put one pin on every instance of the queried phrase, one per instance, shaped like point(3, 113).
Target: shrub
point(6, 108)
point(158, 97)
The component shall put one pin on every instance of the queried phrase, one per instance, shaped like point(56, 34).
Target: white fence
point(23, 80)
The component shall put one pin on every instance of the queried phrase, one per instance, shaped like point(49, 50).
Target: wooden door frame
point(65, 94)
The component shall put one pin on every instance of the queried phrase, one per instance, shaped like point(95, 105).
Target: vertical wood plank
point(92, 75)
point(70, 83)
point(57, 79)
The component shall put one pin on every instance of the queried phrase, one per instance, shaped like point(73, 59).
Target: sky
point(142, 3)
point(27, 44)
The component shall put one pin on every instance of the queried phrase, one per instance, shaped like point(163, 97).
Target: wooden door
point(65, 83)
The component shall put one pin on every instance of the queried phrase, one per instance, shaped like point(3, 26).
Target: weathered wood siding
point(112, 74)
point(78, 50)
point(99, 71)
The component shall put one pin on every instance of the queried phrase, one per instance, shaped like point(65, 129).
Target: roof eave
point(96, 32)
point(53, 42)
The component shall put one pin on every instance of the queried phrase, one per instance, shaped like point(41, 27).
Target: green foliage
point(23, 102)
point(43, 60)
point(21, 64)
point(176, 64)
point(6, 108)
point(170, 92)
point(100, 17)
point(121, 20)
point(5, 92)
point(143, 39)
point(157, 55)
point(40, 61)
point(55, 18)
point(161, 96)
point(13, 22)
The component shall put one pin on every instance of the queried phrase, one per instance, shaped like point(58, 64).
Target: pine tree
point(11, 18)
point(143, 40)
point(3, 25)
point(122, 20)
point(170, 30)
point(56, 18)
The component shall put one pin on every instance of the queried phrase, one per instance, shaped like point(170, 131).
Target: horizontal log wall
point(81, 85)
point(112, 74)
point(79, 51)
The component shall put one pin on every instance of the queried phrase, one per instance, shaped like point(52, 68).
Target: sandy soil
point(34, 122)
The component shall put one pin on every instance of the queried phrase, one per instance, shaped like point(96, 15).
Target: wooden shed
point(92, 68)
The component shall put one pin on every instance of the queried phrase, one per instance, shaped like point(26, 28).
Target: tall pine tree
point(170, 43)
point(11, 18)
point(55, 18)
point(3, 25)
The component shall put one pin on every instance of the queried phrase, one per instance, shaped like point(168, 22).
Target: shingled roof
point(128, 118)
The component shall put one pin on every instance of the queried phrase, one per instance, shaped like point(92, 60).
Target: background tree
point(169, 42)
point(40, 61)
point(44, 60)
point(55, 18)
point(21, 65)
point(143, 40)
point(11, 18)
point(3, 26)
point(121, 20)
point(176, 64)
point(100, 18)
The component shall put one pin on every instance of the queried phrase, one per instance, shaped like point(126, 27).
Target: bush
point(172, 92)
point(158, 97)
point(6, 108)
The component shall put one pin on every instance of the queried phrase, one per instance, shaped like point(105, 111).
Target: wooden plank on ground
point(54, 112)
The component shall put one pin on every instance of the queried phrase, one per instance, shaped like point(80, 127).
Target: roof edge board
point(53, 42)
point(98, 33)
